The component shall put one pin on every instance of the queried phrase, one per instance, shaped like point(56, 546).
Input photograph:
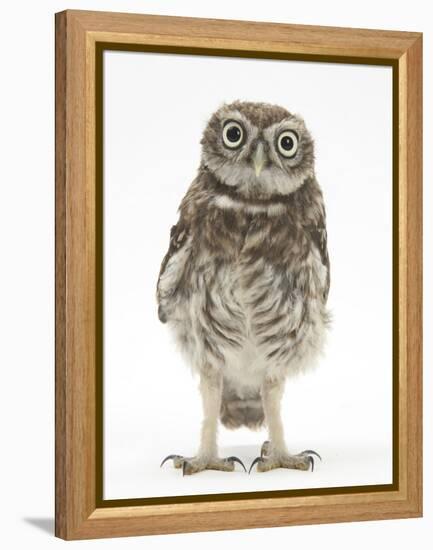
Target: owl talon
point(170, 457)
point(254, 462)
point(238, 460)
point(310, 452)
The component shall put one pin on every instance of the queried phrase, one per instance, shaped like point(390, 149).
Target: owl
point(244, 284)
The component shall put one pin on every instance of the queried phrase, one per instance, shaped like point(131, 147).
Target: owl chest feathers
point(252, 286)
point(254, 266)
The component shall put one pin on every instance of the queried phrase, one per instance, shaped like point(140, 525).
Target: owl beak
point(259, 159)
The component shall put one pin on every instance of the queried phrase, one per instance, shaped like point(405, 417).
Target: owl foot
point(195, 464)
point(265, 449)
point(269, 461)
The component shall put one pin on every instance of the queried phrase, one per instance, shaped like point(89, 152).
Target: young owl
point(245, 281)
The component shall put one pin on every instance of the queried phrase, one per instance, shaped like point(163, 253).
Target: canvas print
point(247, 275)
point(245, 281)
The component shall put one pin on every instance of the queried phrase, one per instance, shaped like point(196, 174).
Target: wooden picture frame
point(81, 38)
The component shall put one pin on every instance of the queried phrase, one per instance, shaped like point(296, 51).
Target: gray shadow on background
point(44, 524)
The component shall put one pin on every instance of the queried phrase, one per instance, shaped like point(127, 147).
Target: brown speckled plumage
point(245, 281)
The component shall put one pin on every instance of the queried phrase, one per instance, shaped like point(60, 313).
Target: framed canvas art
point(238, 274)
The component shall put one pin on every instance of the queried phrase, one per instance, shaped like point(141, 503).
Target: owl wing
point(172, 267)
point(319, 237)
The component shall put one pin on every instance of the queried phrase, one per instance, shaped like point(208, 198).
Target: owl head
point(258, 149)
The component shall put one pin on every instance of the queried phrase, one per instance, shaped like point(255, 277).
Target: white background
point(27, 295)
point(156, 107)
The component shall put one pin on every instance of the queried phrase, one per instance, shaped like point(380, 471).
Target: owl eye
point(287, 143)
point(233, 134)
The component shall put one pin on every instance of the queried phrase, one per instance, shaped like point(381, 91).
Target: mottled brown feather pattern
point(242, 285)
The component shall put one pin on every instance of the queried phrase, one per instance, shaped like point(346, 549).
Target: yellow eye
point(233, 134)
point(287, 143)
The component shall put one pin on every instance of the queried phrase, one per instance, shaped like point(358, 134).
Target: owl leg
point(207, 455)
point(274, 453)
